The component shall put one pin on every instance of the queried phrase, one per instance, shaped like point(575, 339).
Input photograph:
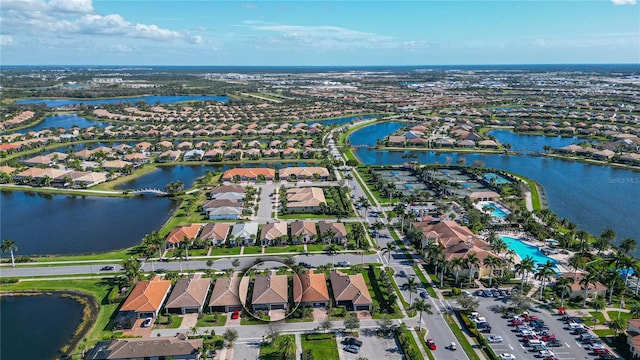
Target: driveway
point(373, 347)
point(246, 350)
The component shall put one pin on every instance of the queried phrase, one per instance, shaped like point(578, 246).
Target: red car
point(528, 317)
point(599, 351)
point(549, 337)
point(530, 337)
point(431, 344)
point(516, 322)
point(235, 314)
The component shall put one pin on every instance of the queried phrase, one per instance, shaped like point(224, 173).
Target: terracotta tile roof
point(251, 173)
point(307, 172)
point(270, 289)
point(299, 227)
point(311, 287)
point(305, 197)
point(225, 292)
point(349, 288)
point(190, 293)
point(147, 296)
point(178, 234)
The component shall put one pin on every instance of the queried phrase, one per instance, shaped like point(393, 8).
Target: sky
point(318, 33)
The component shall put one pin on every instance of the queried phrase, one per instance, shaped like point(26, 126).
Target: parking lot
point(491, 308)
point(373, 347)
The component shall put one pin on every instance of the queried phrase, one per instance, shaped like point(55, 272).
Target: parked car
point(494, 339)
point(352, 349)
point(352, 341)
point(600, 351)
point(107, 268)
point(554, 343)
point(507, 356)
point(424, 295)
point(402, 273)
point(235, 314)
point(431, 344)
point(495, 293)
point(343, 263)
point(548, 337)
point(304, 264)
point(147, 322)
point(503, 293)
point(607, 357)
point(546, 353)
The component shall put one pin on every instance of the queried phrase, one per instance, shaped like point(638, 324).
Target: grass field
point(273, 351)
point(322, 346)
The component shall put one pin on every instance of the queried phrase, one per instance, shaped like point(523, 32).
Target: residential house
point(249, 174)
point(188, 296)
point(303, 231)
point(224, 297)
point(270, 292)
point(309, 172)
point(350, 291)
point(575, 289)
point(274, 233)
point(169, 156)
point(307, 199)
point(147, 297)
point(216, 233)
point(311, 290)
point(182, 233)
point(332, 232)
point(222, 209)
point(193, 155)
point(244, 233)
point(633, 337)
point(161, 347)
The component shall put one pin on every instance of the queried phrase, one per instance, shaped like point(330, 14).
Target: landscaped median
point(468, 349)
point(408, 343)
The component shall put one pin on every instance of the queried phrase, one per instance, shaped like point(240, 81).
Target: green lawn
point(283, 249)
point(252, 250)
point(272, 351)
point(421, 335)
point(219, 251)
point(176, 321)
point(589, 320)
point(623, 315)
point(322, 346)
point(112, 255)
point(212, 320)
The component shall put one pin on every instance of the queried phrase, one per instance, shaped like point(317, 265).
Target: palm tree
point(287, 344)
point(498, 246)
point(525, 267)
point(561, 284)
point(231, 335)
point(411, 286)
point(491, 262)
point(179, 254)
point(131, 269)
point(431, 251)
point(604, 241)
point(457, 264)
point(588, 279)
point(365, 204)
point(10, 246)
point(576, 262)
point(634, 310)
point(543, 273)
point(472, 261)
point(628, 245)
point(422, 306)
point(617, 325)
point(388, 249)
point(377, 226)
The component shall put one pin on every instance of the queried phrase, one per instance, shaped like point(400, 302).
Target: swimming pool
point(495, 210)
point(523, 250)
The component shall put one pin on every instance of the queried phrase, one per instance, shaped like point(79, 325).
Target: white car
point(494, 339)
point(507, 356)
point(147, 322)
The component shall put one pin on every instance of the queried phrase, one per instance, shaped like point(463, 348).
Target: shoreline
point(90, 311)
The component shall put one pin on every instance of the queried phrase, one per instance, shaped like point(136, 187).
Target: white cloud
point(6, 40)
point(71, 6)
point(196, 39)
point(624, 2)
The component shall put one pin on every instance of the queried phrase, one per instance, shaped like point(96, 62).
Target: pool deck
point(561, 259)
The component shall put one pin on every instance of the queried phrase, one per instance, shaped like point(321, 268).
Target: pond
point(65, 121)
point(342, 120)
point(43, 224)
point(369, 135)
point(36, 327)
point(532, 142)
point(151, 100)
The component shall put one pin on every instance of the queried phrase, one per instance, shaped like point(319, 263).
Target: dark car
point(554, 343)
point(495, 293)
point(352, 341)
point(304, 264)
point(607, 357)
point(579, 331)
point(107, 268)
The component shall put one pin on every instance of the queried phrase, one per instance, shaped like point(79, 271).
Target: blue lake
point(342, 120)
point(594, 197)
point(148, 99)
point(532, 142)
point(65, 121)
point(36, 327)
point(63, 224)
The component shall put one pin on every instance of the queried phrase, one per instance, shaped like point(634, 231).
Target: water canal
point(594, 197)
point(36, 327)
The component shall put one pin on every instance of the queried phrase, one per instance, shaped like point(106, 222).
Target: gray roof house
point(245, 233)
point(224, 297)
point(188, 296)
point(175, 347)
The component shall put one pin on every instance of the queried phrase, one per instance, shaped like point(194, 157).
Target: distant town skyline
point(313, 33)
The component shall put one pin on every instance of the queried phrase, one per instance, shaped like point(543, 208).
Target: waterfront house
point(169, 156)
point(303, 231)
point(188, 296)
point(182, 233)
point(270, 292)
point(224, 297)
point(216, 233)
point(249, 174)
point(161, 347)
point(274, 233)
point(332, 232)
point(395, 140)
point(115, 165)
point(193, 155)
point(308, 199)
point(222, 209)
point(244, 233)
point(147, 297)
point(311, 290)
point(297, 173)
point(350, 291)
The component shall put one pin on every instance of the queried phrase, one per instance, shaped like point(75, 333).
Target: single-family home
point(633, 337)
point(396, 140)
point(224, 297)
point(222, 209)
point(308, 172)
point(244, 233)
point(147, 297)
point(350, 291)
point(161, 347)
point(311, 290)
point(249, 174)
point(307, 199)
point(182, 233)
point(274, 233)
point(332, 232)
point(270, 292)
point(188, 296)
point(303, 231)
point(216, 233)
point(193, 155)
